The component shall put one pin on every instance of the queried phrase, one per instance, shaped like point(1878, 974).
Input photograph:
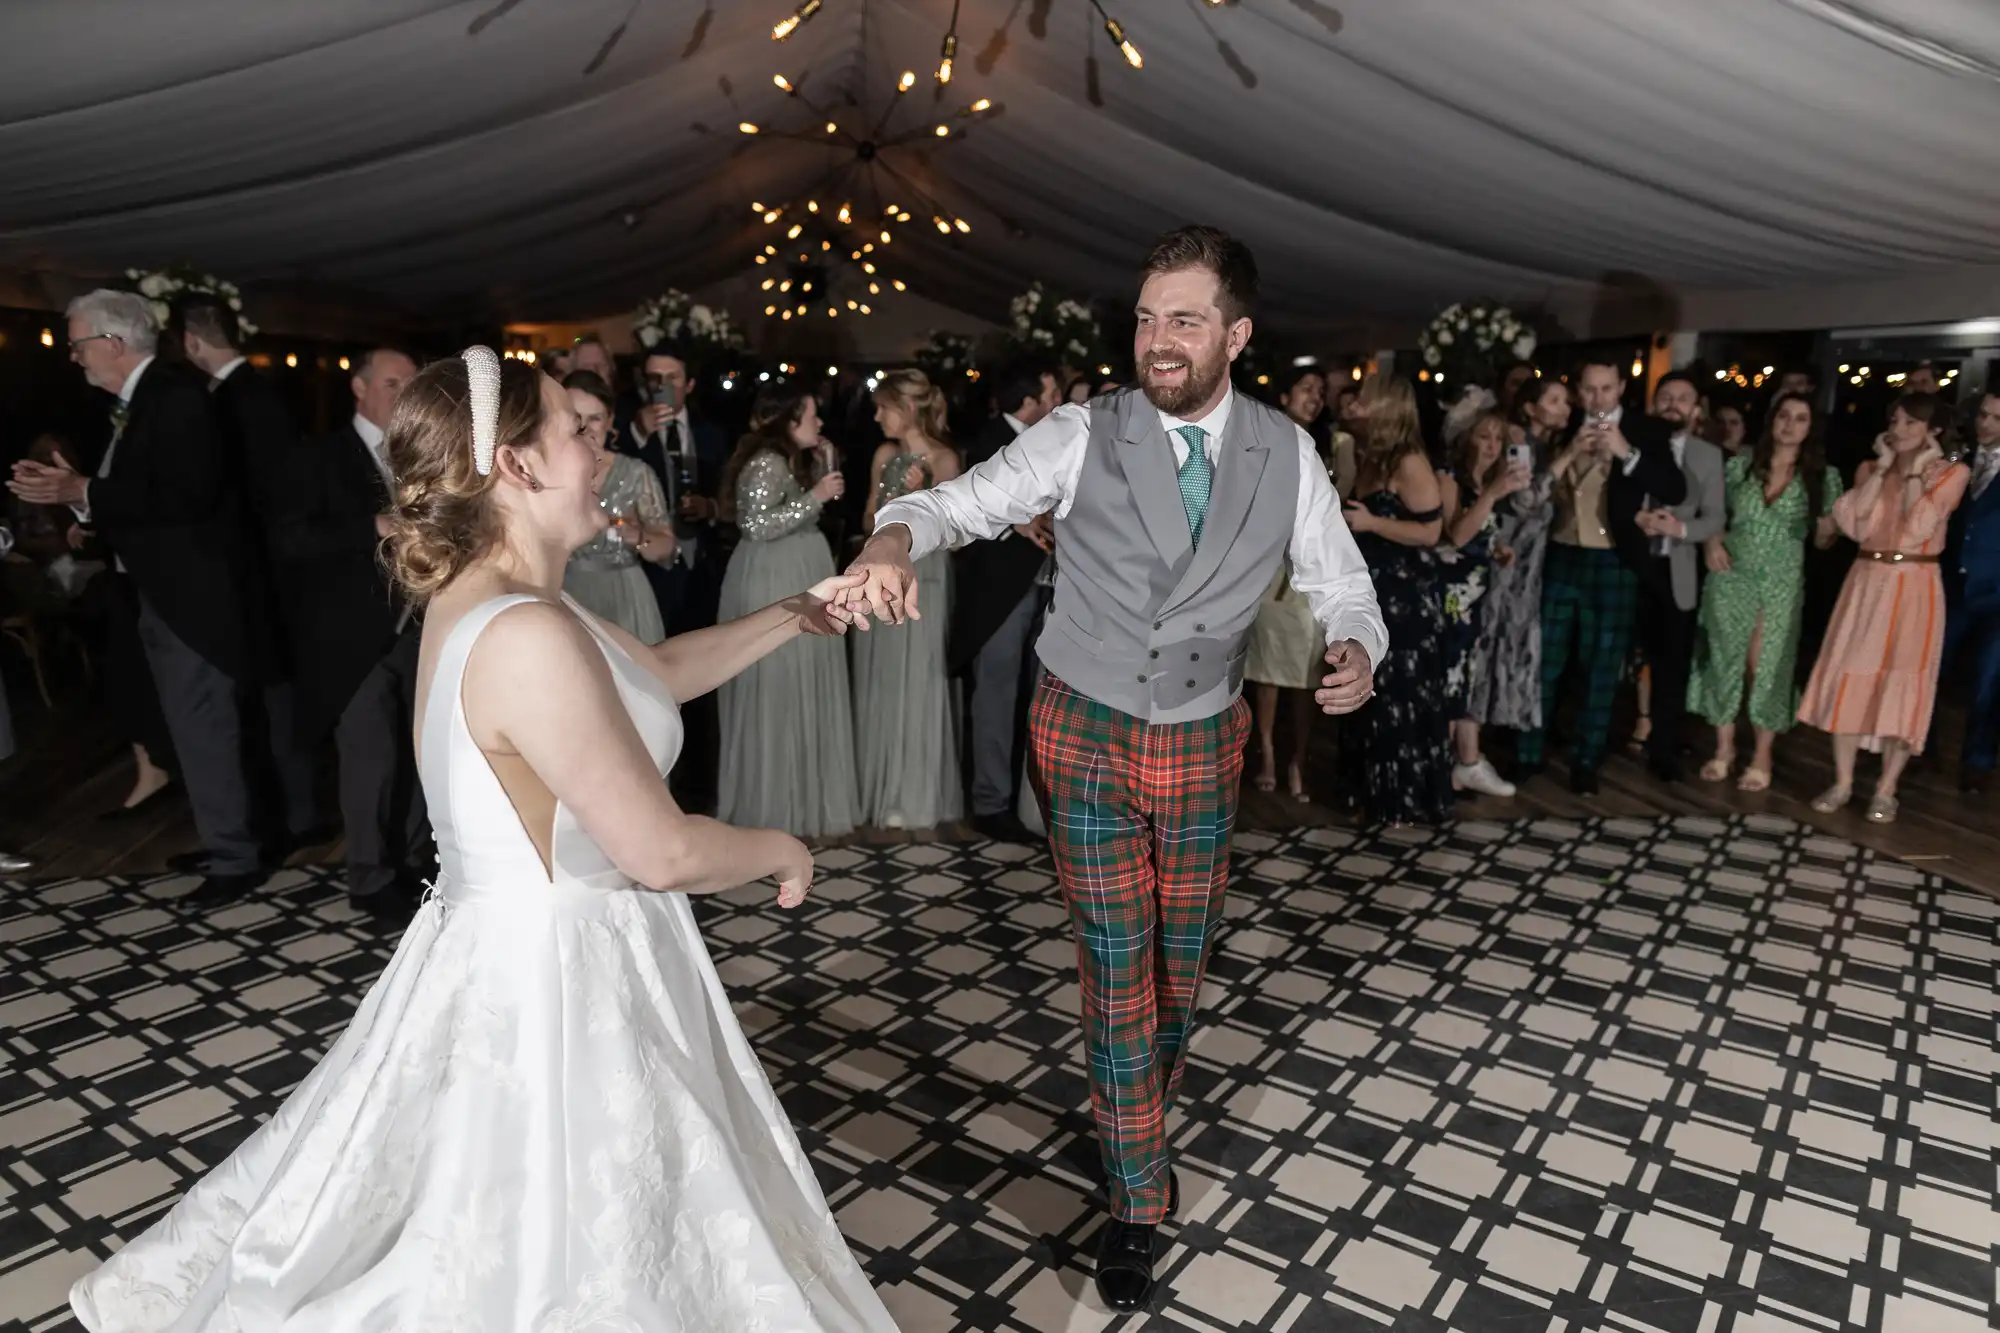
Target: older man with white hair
point(166, 504)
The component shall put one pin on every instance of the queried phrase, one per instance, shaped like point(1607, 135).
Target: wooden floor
point(71, 770)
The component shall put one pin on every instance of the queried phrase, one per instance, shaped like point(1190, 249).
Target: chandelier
point(850, 218)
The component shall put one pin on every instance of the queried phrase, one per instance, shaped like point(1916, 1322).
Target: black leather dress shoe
point(1666, 770)
point(1972, 781)
point(189, 863)
point(1003, 827)
point(222, 890)
point(1125, 1254)
point(1173, 1192)
point(1583, 781)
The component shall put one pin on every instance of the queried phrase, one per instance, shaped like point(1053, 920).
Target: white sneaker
point(1480, 777)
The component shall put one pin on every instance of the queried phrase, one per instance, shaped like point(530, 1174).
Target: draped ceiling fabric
point(1383, 156)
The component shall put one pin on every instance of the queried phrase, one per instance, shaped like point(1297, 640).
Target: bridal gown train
point(544, 1117)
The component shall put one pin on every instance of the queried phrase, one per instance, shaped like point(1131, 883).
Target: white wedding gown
point(544, 1117)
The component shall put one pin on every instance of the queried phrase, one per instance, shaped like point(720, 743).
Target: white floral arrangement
point(1062, 327)
point(945, 356)
point(1467, 342)
point(164, 286)
point(674, 317)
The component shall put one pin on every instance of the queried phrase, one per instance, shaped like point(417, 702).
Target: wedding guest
point(1472, 491)
point(905, 732)
point(11, 863)
point(787, 722)
point(164, 502)
point(1780, 496)
point(1505, 684)
point(1668, 586)
point(1875, 683)
point(1396, 516)
point(1972, 592)
point(604, 574)
point(358, 641)
point(687, 452)
point(1287, 650)
point(590, 353)
point(1590, 584)
point(1728, 430)
point(261, 439)
point(991, 631)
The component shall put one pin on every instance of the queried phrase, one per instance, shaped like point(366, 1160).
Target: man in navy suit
point(1972, 595)
point(688, 455)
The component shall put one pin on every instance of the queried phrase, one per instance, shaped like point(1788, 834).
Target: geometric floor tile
point(1658, 1076)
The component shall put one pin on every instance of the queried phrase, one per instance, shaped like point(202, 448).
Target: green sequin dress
point(1766, 577)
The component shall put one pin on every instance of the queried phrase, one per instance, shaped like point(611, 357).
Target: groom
point(1175, 506)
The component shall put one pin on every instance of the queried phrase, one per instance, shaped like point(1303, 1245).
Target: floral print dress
point(1405, 731)
point(1467, 573)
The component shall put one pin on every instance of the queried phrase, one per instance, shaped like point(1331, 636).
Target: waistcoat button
point(1194, 657)
point(1142, 680)
point(1190, 684)
point(1201, 629)
point(1153, 652)
point(1159, 624)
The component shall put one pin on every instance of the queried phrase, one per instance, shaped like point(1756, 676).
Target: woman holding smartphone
point(1472, 490)
point(1505, 689)
point(1875, 683)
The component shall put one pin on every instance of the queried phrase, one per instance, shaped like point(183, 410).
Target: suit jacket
point(993, 576)
point(1654, 479)
point(170, 506)
point(342, 608)
point(1972, 548)
point(1704, 511)
point(688, 597)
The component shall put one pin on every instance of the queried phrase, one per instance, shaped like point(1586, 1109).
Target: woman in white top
point(544, 1114)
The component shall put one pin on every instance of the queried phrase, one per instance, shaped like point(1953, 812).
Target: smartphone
point(1521, 455)
point(667, 394)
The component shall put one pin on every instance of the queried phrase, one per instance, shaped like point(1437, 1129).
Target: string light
point(343, 363)
point(803, 14)
point(746, 127)
point(292, 360)
point(783, 83)
point(1638, 367)
point(1356, 373)
point(907, 82)
point(48, 338)
point(1124, 43)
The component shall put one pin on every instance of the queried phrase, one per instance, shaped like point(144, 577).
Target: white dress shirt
point(82, 511)
point(228, 369)
point(377, 445)
point(1039, 471)
point(1985, 465)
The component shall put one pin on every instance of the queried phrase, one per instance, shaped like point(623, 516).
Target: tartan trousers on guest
point(1591, 594)
point(1139, 817)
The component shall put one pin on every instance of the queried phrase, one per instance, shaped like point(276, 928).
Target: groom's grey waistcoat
point(1143, 621)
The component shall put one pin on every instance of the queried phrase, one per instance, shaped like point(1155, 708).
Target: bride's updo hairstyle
point(446, 516)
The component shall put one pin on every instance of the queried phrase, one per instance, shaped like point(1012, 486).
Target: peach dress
point(1877, 672)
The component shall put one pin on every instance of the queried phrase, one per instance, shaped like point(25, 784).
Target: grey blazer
point(1705, 513)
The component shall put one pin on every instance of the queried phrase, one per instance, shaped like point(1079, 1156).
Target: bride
point(544, 1117)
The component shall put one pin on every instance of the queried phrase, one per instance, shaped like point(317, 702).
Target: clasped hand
point(54, 483)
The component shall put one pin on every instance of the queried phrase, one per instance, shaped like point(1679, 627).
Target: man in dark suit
point(688, 454)
point(261, 440)
point(1972, 596)
point(990, 631)
point(1590, 584)
point(165, 503)
point(357, 640)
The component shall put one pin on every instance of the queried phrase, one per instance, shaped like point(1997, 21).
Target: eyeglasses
point(75, 343)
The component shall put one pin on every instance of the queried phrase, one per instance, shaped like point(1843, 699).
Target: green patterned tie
point(1195, 475)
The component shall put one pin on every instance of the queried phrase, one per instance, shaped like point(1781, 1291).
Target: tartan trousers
point(1590, 594)
point(1140, 816)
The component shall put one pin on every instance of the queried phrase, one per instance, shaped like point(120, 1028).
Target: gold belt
point(1900, 558)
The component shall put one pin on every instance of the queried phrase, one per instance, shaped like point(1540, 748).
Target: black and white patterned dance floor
point(1691, 1076)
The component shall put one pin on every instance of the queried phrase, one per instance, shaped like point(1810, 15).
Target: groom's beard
point(1193, 388)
